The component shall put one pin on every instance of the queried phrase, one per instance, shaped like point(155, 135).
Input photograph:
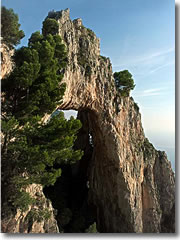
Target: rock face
point(131, 185)
point(6, 62)
point(31, 221)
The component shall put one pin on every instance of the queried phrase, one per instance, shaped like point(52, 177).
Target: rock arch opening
point(70, 194)
point(69, 113)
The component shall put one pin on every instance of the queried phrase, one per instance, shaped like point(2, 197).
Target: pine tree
point(50, 26)
point(33, 151)
point(124, 82)
point(10, 27)
point(33, 86)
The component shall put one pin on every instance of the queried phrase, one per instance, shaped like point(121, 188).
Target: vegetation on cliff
point(33, 86)
point(124, 82)
point(10, 27)
point(40, 152)
point(33, 151)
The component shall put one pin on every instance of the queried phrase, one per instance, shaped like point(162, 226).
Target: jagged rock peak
point(78, 22)
point(82, 37)
point(64, 14)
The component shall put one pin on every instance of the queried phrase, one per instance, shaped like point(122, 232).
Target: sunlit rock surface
point(132, 184)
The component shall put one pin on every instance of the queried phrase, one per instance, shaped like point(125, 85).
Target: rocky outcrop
point(39, 218)
point(131, 184)
point(6, 61)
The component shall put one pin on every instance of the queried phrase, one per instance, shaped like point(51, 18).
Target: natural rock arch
point(124, 182)
point(131, 185)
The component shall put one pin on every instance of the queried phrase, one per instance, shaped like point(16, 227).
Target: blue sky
point(138, 35)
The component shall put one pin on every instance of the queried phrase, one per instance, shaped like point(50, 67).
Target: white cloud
point(147, 63)
point(131, 60)
point(152, 90)
point(149, 92)
point(158, 54)
point(162, 66)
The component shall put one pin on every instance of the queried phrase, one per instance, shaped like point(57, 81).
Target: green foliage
point(92, 229)
point(124, 82)
point(148, 150)
point(91, 34)
point(82, 59)
point(103, 58)
point(147, 144)
point(84, 62)
point(10, 27)
point(33, 86)
point(38, 147)
point(33, 151)
point(37, 150)
point(50, 26)
point(22, 200)
point(38, 215)
point(35, 38)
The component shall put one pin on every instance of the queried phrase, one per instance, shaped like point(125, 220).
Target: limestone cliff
point(131, 184)
point(39, 218)
point(6, 61)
